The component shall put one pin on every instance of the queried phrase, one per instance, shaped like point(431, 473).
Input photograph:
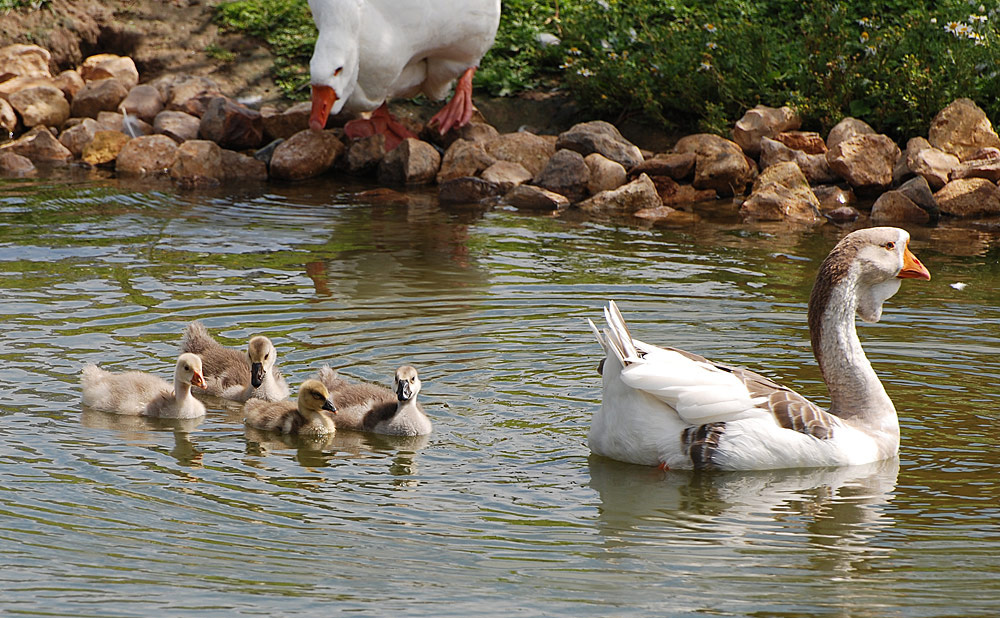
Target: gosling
point(375, 409)
point(308, 417)
point(233, 374)
point(139, 393)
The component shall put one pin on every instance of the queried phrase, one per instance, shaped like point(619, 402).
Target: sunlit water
point(502, 510)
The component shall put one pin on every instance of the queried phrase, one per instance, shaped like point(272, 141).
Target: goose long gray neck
point(182, 390)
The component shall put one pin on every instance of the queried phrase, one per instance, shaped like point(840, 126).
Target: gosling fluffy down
point(136, 392)
point(235, 374)
point(311, 415)
point(372, 408)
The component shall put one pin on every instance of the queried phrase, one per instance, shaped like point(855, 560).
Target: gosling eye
point(890, 245)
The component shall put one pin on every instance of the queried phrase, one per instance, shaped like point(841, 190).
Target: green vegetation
point(694, 64)
point(33, 5)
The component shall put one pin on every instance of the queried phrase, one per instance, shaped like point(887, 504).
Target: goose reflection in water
point(145, 430)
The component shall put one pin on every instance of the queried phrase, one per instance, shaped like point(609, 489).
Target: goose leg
point(458, 111)
point(380, 122)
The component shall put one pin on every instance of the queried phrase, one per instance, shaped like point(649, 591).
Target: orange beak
point(912, 268)
point(323, 98)
point(197, 380)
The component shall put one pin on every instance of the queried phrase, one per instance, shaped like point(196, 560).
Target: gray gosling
point(235, 374)
point(139, 393)
point(310, 416)
point(367, 407)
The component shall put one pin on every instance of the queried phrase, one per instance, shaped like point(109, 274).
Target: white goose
point(233, 374)
point(135, 392)
point(367, 407)
point(369, 51)
point(666, 407)
point(307, 417)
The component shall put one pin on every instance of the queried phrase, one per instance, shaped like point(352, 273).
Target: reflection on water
point(502, 508)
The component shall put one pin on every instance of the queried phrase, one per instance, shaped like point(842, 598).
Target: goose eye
point(337, 72)
point(890, 245)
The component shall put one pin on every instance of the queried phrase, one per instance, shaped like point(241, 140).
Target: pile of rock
point(186, 129)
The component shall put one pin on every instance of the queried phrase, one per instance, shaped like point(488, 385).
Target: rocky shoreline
point(185, 128)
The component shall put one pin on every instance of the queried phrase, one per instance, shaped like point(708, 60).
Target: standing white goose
point(369, 51)
point(135, 392)
point(367, 407)
point(232, 374)
point(667, 407)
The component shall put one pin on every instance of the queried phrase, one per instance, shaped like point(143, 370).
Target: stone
point(104, 66)
point(412, 162)
point(364, 155)
point(530, 150)
point(832, 197)
point(506, 175)
point(977, 168)
point(38, 144)
point(673, 194)
point(178, 126)
point(231, 125)
point(8, 120)
point(808, 142)
point(600, 137)
point(629, 198)
point(464, 158)
point(306, 154)
point(566, 173)
point(987, 152)
point(190, 93)
point(866, 161)
point(70, 82)
point(934, 165)
point(719, 165)
point(479, 132)
point(961, 129)
point(530, 197)
point(198, 163)
point(781, 192)
point(146, 155)
point(133, 127)
point(969, 197)
point(918, 191)
point(264, 154)
point(79, 135)
point(467, 189)
point(143, 102)
point(21, 60)
point(815, 167)
point(104, 148)
point(846, 129)
point(97, 96)
point(40, 105)
point(843, 214)
point(14, 165)
point(763, 121)
point(11, 86)
point(894, 207)
point(655, 214)
point(605, 174)
point(284, 124)
point(238, 166)
point(677, 166)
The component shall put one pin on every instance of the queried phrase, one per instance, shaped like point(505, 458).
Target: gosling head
point(314, 399)
point(262, 356)
point(188, 370)
point(406, 385)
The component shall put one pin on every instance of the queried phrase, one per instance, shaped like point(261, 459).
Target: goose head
point(188, 370)
point(314, 399)
point(333, 68)
point(262, 356)
point(406, 385)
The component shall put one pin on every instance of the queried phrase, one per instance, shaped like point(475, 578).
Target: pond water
point(502, 510)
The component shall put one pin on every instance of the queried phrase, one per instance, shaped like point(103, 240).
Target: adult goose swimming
point(369, 51)
point(139, 393)
point(667, 407)
point(234, 374)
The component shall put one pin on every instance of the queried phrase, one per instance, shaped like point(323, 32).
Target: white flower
point(604, 5)
point(711, 45)
point(705, 66)
point(710, 27)
point(585, 72)
point(959, 285)
point(870, 50)
point(933, 20)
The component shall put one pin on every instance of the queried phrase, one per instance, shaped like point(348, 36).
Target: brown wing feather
point(222, 367)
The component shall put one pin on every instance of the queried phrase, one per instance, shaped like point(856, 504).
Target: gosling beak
point(198, 380)
point(256, 374)
point(403, 392)
point(328, 406)
point(912, 268)
point(323, 98)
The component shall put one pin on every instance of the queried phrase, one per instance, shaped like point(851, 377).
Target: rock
point(529, 197)
point(238, 166)
point(97, 96)
point(104, 148)
point(987, 152)
point(40, 105)
point(843, 214)
point(198, 163)
point(846, 129)
point(530, 150)
point(306, 154)
point(605, 174)
point(865, 161)
point(781, 192)
point(231, 125)
point(894, 207)
point(412, 162)
point(143, 102)
point(14, 165)
point(969, 197)
point(8, 120)
point(134, 127)
point(146, 155)
point(38, 145)
point(677, 166)
point(467, 189)
point(673, 194)
point(720, 163)
point(763, 121)
point(634, 196)
point(178, 126)
point(464, 158)
point(284, 124)
point(655, 214)
point(11, 86)
point(979, 168)
point(190, 93)
point(961, 129)
point(479, 132)
point(104, 66)
point(832, 197)
point(506, 175)
point(918, 191)
point(927, 161)
point(566, 173)
point(264, 154)
point(20, 60)
point(814, 166)
point(70, 82)
point(808, 142)
point(364, 155)
point(79, 135)
point(600, 137)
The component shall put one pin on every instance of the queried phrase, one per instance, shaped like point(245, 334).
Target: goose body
point(375, 409)
point(139, 393)
point(307, 416)
point(235, 374)
point(369, 51)
point(667, 407)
